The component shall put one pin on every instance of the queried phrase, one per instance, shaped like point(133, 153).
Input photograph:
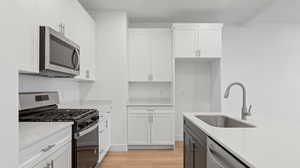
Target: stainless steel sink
point(223, 121)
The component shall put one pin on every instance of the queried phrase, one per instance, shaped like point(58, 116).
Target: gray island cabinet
point(194, 146)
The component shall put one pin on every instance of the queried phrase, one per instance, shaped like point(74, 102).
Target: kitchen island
point(270, 144)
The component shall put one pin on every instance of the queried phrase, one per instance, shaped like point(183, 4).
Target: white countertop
point(103, 106)
point(272, 144)
point(32, 132)
point(149, 105)
point(149, 102)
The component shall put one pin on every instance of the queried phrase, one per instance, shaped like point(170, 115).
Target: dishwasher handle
point(218, 157)
point(213, 158)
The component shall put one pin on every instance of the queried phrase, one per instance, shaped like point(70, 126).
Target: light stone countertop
point(101, 105)
point(271, 144)
point(32, 132)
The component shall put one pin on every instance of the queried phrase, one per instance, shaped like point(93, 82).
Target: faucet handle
point(249, 110)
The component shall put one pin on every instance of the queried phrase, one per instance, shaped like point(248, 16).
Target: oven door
point(58, 55)
point(87, 148)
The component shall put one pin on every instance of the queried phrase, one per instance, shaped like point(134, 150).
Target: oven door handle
point(86, 131)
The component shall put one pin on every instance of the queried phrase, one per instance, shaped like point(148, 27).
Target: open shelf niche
point(197, 86)
point(150, 93)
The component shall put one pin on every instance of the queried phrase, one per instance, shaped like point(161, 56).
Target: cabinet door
point(162, 129)
point(80, 28)
point(62, 157)
point(198, 154)
point(188, 160)
point(43, 164)
point(28, 31)
point(194, 151)
point(138, 129)
point(50, 12)
point(102, 140)
point(138, 55)
point(185, 42)
point(106, 134)
point(210, 43)
point(161, 54)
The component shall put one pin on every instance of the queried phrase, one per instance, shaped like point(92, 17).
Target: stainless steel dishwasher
point(218, 157)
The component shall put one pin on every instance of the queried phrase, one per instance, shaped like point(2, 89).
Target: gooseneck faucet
point(245, 111)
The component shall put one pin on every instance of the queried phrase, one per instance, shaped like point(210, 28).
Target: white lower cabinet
point(104, 135)
point(43, 164)
point(151, 126)
point(138, 129)
point(161, 129)
point(55, 151)
point(60, 159)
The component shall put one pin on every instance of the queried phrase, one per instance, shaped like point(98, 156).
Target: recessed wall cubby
point(197, 86)
point(150, 92)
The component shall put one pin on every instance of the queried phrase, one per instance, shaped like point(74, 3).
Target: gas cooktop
point(58, 115)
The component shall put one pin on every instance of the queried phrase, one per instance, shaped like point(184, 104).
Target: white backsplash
point(68, 88)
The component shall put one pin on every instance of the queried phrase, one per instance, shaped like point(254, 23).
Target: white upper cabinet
point(27, 61)
point(138, 51)
point(197, 40)
point(161, 54)
point(79, 27)
point(185, 41)
point(85, 32)
point(50, 12)
point(149, 54)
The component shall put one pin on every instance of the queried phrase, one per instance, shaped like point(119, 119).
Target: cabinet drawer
point(37, 152)
point(149, 109)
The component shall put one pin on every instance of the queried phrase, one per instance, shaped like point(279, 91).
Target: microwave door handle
point(73, 59)
point(77, 55)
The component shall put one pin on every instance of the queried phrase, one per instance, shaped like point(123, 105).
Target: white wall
point(264, 54)
point(266, 57)
point(9, 46)
point(68, 89)
point(111, 71)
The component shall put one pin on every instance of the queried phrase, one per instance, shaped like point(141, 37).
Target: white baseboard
point(118, 148)
point(179, 137)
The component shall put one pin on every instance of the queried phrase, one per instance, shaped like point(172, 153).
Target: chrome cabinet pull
point(62, 28)
point(198, 52)
point(87, 72)
point(48, 148)
point(150, 77)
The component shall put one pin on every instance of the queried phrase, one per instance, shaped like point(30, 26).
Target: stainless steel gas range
point(43, 107)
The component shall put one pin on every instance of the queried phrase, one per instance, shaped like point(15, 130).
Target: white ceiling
point(286, 11)
point(228, 11)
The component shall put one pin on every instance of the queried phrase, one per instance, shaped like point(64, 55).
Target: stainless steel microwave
point(59, 56)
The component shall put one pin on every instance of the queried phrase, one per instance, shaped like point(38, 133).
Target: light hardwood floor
point(145, 158)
